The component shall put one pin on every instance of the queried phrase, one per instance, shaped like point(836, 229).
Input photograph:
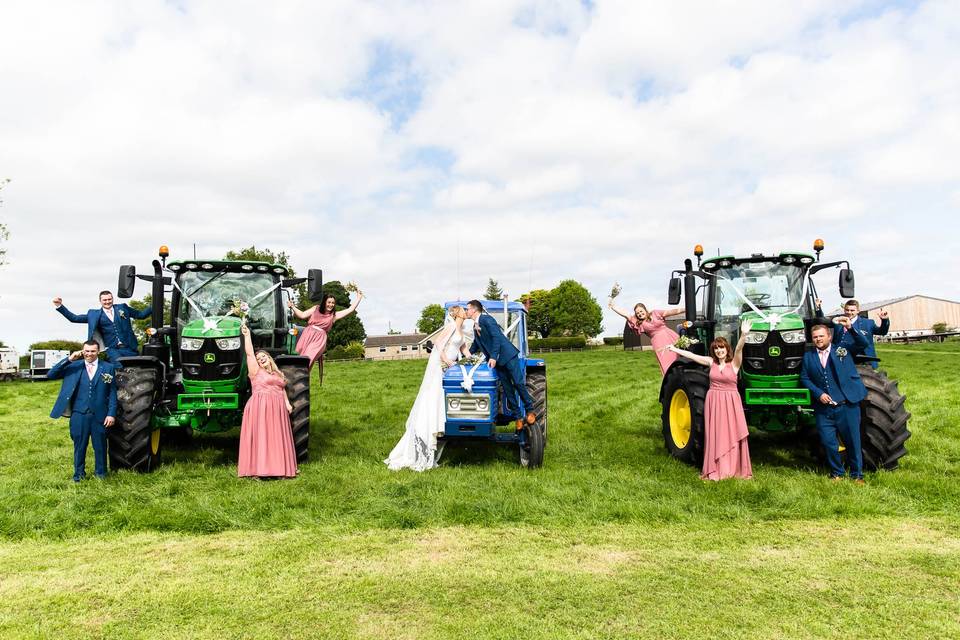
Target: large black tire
point(298, 392)
point(682, 398)
point(531, 454)
point(133, 444)
point(883, 421)
point(537, 388)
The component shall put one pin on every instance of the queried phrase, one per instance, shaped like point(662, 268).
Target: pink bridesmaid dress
point(726, 455)
point(266, 437)
point(660, 336)
point(313, 340)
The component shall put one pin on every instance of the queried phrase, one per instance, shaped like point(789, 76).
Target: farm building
point(395, 347)
point(914, 313)
point(632, 341)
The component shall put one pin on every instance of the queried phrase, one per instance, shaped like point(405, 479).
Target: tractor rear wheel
point(682, 401)
point(298, 393)
point(531, 453)
point(883, 421)
point(537, 388)
point(133, 443)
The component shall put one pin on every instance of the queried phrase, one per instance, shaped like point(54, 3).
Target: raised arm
point(60, 369)
point(673, 312)
point(704, 360)
point(738, 351)
point(353, 307)
point(303, 315)
point(620, 312)
point(884, 327)
point(72, 317)
point(140, 314)
point(252, 365)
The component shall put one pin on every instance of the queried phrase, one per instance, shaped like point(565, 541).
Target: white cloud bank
point(540, 140)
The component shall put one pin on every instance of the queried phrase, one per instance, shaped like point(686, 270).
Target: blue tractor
point(476, 411)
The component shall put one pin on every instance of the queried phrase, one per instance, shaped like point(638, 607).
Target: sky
point(420, 148)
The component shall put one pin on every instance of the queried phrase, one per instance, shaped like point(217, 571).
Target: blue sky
point(528, 141)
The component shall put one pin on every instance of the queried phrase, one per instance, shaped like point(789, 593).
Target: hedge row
point(615, 340)
point(352, 351)
point(574, 342)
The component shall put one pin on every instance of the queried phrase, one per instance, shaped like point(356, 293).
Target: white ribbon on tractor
point(468, 376)
point(212, 322)
point(773, 318)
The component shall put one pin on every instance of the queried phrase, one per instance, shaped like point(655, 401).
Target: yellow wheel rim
point(155, 441)
point(680, 420)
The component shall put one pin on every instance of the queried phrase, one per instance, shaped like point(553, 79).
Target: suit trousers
point(83, 428)
point(842, 420)
point(115, 353)
point(512, 375)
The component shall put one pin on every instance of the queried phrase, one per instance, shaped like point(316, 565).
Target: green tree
point(140, 326)
point(574, 311)
point(60, 345)
point(349, 329)
point(940, 327)
point(431, 318)
point(254, 254)
point(539, 313)
point(493, 292)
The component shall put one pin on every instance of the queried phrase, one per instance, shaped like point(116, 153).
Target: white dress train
point(417, 448)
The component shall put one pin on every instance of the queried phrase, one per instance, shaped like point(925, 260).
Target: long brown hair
point(645, 310)
point(720, 342)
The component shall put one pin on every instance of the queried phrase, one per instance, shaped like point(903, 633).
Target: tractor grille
point(197, 365)
point(774, 357)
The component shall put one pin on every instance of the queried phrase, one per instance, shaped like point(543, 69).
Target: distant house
point(631, 341)
point(395, 347)
point(911, 314)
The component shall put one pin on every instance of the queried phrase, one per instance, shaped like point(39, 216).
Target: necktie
point(91, 369)
point(823, 357)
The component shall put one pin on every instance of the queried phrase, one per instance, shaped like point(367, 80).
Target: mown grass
point(611, 539)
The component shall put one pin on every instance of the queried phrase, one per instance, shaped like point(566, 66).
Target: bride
point(418, 447)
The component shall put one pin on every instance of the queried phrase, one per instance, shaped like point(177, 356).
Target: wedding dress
point(418, 447)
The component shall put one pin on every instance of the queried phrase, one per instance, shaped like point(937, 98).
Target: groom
point(109, 324)
point(505, 358)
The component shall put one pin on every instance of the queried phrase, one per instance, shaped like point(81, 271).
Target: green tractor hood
point(774, 321)
point(212, 327)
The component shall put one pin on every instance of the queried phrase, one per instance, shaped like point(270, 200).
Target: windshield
point(214, 292)
point(766, 285)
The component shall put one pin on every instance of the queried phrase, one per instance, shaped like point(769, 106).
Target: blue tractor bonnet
point(491, 306)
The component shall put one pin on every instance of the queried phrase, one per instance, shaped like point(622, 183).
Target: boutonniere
point(841, 352)
point(106, 377)
point(122, 314)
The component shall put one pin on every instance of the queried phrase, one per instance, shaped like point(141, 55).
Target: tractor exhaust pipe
point(689, 291)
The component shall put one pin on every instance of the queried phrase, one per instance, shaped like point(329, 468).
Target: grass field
point(610, 539)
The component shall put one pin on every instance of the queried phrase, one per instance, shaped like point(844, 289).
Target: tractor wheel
point(682, 401)
point(133, 444)
point(537, 388)
point(298, 392)
point(883, 421)
point(531, 454)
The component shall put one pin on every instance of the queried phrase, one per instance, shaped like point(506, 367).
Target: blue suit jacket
point(840, 373)
point(122, 314)
point(492, 342)
point(104, 397)
point(866, 327)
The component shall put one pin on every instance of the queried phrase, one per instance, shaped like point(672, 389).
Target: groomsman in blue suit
point(866, 327)
point(505, 358)
point(108, 325)
point(88, 396)
point(832, 378)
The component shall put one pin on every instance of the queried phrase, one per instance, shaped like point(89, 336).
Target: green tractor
point(777, 294)
point(192, 374)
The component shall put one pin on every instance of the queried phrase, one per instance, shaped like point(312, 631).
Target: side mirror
point(846, 283)
point(127, 280)
point(315, 284)
point(673, 292)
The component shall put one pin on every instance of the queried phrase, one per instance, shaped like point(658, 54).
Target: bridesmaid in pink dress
point(266, 436)
point(726, 454)
point(653, 324)
point(320, 319)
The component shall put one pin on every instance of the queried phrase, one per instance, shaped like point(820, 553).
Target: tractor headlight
point(482, 404)
point(756, 337)
point(793, 337)
point(191, 344)
point(228, 344)
point(454, 403)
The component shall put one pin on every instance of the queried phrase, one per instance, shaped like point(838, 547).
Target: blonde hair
point(271, 367)
point(455, 310)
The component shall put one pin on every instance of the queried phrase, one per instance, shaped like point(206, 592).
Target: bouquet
point(240, 309)
point(685, 342)
point(465, 361)
point(353, 288)
point(615, 291)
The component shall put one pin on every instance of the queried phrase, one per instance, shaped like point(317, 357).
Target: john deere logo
point(774, 351)
point(212, 357)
